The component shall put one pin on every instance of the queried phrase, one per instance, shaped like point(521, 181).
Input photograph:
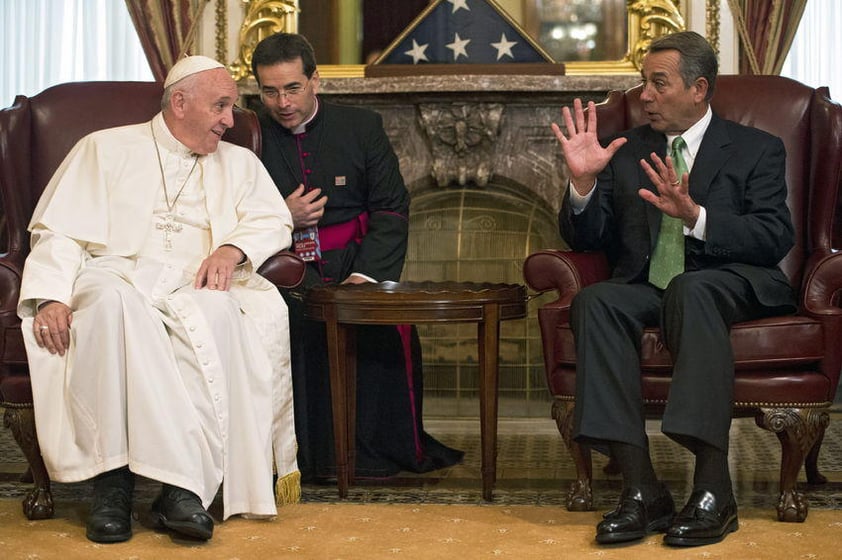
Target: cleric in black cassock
point(336, 169)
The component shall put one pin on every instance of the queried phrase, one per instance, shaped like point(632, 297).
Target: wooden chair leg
point(26, 476)
point(38, 503)
point(798, 430)
point(811, 466)
point(580, 496)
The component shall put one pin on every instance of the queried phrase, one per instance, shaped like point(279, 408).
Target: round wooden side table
point(391, 303)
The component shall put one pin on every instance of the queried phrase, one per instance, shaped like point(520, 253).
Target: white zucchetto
point(188, 66)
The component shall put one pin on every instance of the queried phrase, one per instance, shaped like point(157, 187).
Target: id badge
point(305, 243)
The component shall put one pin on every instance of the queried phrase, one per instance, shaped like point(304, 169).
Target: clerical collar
point(166, 139)
point(301, 128)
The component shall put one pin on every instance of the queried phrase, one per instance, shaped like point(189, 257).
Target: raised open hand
point(584, 155)
point(673, 196)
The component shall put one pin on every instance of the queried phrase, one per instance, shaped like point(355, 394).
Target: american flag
point(463, 32)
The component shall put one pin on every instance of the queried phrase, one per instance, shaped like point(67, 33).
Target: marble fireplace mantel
point(474, 129)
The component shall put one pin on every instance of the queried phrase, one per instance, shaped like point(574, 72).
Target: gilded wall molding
point(221, 26)
point(647, 20)
point(655, 18)
point(262, 18)
point(712, 24)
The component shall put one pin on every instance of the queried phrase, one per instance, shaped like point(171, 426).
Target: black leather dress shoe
point(182, 511)
point(110, 518)
point(636, 515)
point(703, 521)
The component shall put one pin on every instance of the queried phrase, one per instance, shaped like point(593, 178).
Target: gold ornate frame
point(262, 18)
point(647, 20)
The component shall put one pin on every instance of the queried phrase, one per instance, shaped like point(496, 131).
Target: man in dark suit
point(694, 238)
point(340, 178)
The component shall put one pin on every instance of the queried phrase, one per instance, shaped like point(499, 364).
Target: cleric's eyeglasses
point(288, 92)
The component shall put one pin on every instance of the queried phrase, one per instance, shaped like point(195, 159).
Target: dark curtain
point(166, 29)
point(766, 28)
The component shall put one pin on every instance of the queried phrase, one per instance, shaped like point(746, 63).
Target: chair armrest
point(564, 271)
point(284, 269)
point(10, 276)
point(822, 300)
point(822, 293)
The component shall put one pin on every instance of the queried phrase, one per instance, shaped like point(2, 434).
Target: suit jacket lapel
point(651, 141)
point(714, 151)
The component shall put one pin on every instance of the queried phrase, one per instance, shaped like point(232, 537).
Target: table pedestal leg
point(350, 338)
point(488, 335)
point(339, 346)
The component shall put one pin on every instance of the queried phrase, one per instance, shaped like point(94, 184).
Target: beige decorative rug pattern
point(350, 531)
point(441, 515)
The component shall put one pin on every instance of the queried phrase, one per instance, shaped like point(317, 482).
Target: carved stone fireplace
point(486, 179)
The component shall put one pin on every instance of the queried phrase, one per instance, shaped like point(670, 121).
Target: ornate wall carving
point(462, 137)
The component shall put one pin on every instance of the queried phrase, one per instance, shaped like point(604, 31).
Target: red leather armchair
point(35, 135)
point(788, 367)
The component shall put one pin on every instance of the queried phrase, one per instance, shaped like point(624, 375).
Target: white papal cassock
point(185, 386)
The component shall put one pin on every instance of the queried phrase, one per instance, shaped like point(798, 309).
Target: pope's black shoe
point(636, 515)
point(110, 518)
point(703, 521)
point(182, 511)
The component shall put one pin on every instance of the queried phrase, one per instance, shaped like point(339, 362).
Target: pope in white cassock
point(155, 348)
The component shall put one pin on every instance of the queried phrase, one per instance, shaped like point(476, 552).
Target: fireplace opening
point(480, 234)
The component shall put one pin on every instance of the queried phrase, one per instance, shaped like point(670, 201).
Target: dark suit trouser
point(695, 314)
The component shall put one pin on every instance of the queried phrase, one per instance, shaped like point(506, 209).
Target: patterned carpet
point(442, 514)
point(413, 532)
point(533, 468)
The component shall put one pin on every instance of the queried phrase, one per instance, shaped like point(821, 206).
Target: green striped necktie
point(668, 257)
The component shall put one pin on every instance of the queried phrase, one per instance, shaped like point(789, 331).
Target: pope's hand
point(52, 327)
point(215, 271)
